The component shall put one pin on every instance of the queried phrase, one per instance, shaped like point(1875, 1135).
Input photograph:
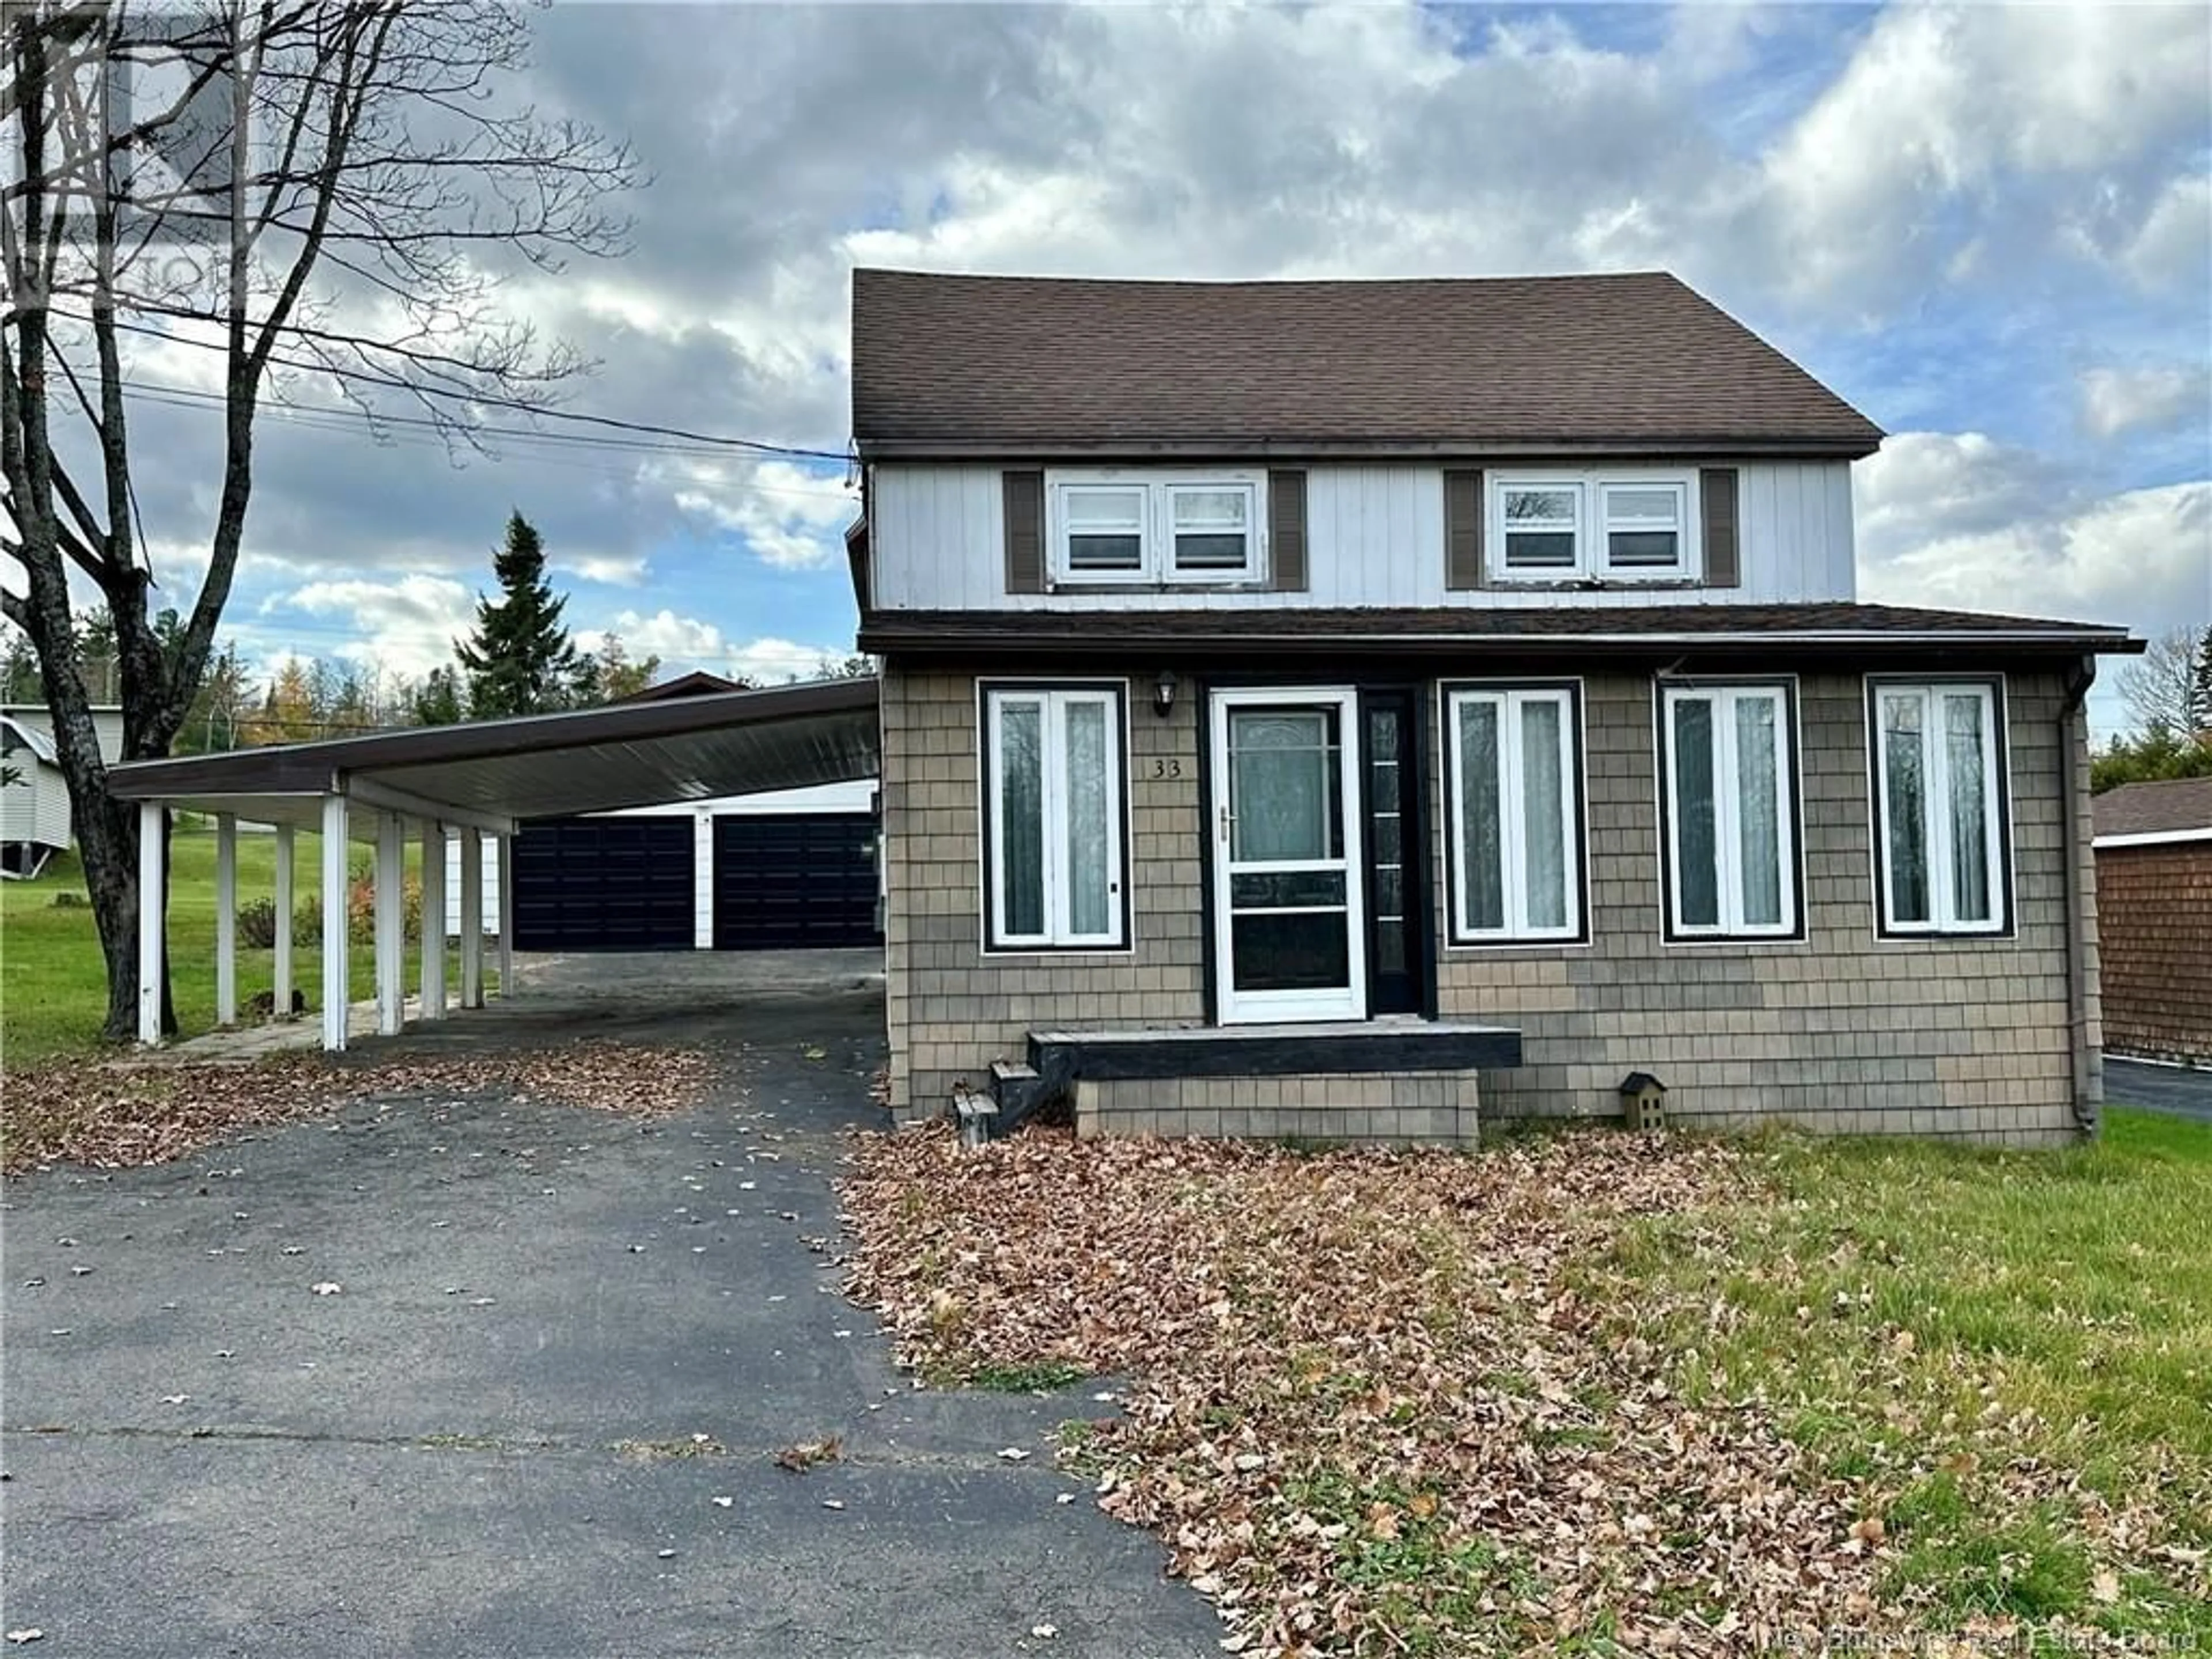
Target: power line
point(561, 447)
point(492, 400)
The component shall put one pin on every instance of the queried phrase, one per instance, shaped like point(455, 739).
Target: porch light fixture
point(1163, 693)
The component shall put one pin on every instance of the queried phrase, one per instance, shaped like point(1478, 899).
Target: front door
point(1289, 900)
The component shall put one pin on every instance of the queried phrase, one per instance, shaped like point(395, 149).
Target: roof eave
point(1034, 446)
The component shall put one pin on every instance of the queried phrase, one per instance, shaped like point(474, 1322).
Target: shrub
point(257, 920)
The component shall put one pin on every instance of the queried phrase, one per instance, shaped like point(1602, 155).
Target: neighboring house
point(2153, 850)
point(1308, 706)
point(34, 808)
point(791, 869)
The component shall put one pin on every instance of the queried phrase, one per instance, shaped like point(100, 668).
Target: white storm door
point(1289, 935)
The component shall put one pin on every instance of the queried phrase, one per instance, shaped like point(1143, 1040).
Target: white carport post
point(506, 917)
point(226, 918)
point(280, 995)
point(153, 919)
point(472, 995)
point(433, 919)
point(337, 942)
point(390, 924)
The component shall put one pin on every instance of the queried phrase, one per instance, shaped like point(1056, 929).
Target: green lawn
point(2012, 1351)
point(53, 983)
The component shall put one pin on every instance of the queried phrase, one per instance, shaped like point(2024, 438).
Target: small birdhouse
point(1643, 1101)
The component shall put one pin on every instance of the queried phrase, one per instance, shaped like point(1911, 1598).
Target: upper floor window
point(1109, 526)
point(1572, 526)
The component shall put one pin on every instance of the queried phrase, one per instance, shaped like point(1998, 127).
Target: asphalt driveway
point(539, 1417)
point(2179, 1090)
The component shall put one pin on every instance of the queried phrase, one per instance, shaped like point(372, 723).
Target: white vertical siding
point(1374, 536)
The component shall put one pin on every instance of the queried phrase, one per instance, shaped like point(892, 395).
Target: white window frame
point(1508, 698)
point(1593, 542)
point(1158, 568)
point(1053, 699)
point(1728, 774)
point(1935, 821)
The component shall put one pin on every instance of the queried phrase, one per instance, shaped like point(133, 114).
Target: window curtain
point(1021, 761)
point(1963, 755)
point(1758, 833)
point(1482, 812)
point(1087, 879)
point(1542, 831)
point(1284, 771)
point(1904, 775)
point(1697, 841)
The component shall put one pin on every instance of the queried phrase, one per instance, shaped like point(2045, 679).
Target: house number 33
point(1167, 768)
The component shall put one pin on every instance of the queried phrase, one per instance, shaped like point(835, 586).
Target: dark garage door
point(794, 881)
point(603, 884)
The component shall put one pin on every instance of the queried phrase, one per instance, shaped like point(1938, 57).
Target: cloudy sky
point(1989, 228)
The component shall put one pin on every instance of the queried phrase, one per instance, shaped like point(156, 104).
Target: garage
point(794, 881)
point(603, 883)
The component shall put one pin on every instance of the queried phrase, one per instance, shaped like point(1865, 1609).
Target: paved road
point(2174, 1089)
point(484, 1445)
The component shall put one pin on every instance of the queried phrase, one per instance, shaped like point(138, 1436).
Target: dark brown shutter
point(1463, 530)
point(1025, 531)
point(1287, 532)
point(1716, 491)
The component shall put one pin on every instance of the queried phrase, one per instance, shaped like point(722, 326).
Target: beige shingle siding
point(1844, 1032)
point(1411, 1108)
point(954, 1009)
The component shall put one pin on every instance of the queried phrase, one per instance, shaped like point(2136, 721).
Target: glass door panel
point(1288, 920)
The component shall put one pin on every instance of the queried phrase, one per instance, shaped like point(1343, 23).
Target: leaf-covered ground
point(1434, 1404)
point(121, 1114)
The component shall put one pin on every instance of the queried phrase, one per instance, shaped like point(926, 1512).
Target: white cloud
point(609, 570)
point(406, 626)
point(2173, 246)
point(683, 643)
point(1959, 523)
point(789, 517)
point(2117, 400)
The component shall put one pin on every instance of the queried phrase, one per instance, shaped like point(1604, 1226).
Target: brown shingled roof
point(2155, 809)
point(942, 364)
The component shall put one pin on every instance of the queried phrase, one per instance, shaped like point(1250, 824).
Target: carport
point(478, 779)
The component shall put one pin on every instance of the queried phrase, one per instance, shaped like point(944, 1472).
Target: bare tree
point(2160, 687)
point(323, 194)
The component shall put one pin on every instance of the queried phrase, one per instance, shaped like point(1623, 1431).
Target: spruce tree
point(520, 659)
point(2201, 687)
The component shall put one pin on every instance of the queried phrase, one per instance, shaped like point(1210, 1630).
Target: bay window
point(1941, 810)
point(1728, 795)
point(1054, 838)
point(1514, 764)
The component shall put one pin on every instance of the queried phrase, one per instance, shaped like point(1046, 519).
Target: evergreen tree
point(2200, 691)
point(520, 659)
point(19, 670)
point(437, 700)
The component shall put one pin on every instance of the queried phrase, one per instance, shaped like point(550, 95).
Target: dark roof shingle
point(1438, 364)
point(2155, 809)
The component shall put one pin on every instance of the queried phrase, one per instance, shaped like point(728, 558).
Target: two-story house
point(1341, 708)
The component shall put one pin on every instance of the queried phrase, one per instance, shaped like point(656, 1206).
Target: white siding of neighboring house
point(855, 797)
point(106, 724)
point(36, 807)
point(1375, 537)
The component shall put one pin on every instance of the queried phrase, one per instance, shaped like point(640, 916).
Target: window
point(1054, 836)
point(1114, 527)
point(1940, 805)
point(1105, 531)
point(1515, 760)
point(1729, 795)
point(1585, 527)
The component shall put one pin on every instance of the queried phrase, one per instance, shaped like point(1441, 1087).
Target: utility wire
point(492, 400)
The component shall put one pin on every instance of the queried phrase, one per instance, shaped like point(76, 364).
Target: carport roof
point(592, 760)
